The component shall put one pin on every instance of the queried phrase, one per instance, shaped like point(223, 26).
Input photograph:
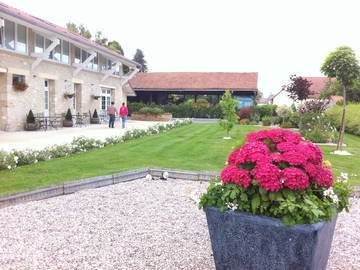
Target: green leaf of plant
point(255, 203)
point(244, 197)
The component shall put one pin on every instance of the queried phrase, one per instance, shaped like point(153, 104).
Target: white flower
point(9, 167)
point(16, 158)
point(330, 193)
point(232, 206)
point(35, 161)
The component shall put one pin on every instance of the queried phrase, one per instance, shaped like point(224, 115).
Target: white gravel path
point(134, 225)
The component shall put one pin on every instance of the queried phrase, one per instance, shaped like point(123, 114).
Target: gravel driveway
point(134, 225)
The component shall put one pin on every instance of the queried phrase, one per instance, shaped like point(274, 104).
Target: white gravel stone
point(134, 225)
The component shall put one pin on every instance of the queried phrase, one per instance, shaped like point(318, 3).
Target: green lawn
point(193, 147)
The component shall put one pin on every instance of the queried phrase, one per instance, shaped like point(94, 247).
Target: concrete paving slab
point(40, 139)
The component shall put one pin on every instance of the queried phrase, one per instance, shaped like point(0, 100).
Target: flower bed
point(17, 158)
point(151, 117)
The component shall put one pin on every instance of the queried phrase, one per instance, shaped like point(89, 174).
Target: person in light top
point(123, 114)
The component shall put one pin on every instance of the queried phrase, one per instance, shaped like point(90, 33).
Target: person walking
point(111, 111)
point(123, 114)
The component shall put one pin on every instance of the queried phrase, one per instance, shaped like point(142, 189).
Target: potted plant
point(30, 124)
point(20, 86)
point(68, 121)
point(95, 118)
point(275, 206)
point(266, 121)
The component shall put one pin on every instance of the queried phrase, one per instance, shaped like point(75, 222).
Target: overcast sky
point(275, 38)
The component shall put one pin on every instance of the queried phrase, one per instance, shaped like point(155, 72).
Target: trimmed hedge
point(265, 110)
point(183, 110)
point(352, 117)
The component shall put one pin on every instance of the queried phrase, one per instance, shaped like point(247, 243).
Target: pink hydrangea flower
point(294, 178)
point(268, 176)
point(266, 149)
point(254, 151)
point(235, 175)
point(294, 158)
point(232, 157)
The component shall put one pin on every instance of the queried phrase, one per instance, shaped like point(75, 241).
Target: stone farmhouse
point(48, 69)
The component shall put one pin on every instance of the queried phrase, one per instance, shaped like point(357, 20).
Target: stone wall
point(14, 105)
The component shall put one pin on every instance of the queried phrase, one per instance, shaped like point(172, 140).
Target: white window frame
point(52, 52)
point(87, 55)
point(2, 44)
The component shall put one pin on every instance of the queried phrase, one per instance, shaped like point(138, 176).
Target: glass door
point(105, 99)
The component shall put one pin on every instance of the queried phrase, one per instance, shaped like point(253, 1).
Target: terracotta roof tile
point(195, 80)
point(58, 29)
point(318, 84)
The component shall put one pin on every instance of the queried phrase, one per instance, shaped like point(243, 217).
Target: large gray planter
point(244, 241)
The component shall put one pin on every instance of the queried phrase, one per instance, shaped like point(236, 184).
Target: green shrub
point(317, 128)
point(294, 119)
point(287, 124)
point(68, 115)
point(244, 121)
point(30, 119)
point(245, 113)
point(150, 110)
point(265, 110)
point(95, 114)
point(255, 119)
point(266, 120)
point(352, 117)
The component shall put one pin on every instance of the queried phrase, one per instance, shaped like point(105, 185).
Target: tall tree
point(298, 89)
point(115, 46)
point(79, 29)
point(228, 108)
point(100, 39)
point(84, 31)
point(72, 27)
point(342, 65)
point(139, 58)
point(334, 88)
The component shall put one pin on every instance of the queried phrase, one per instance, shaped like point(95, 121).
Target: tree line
point(114, 45)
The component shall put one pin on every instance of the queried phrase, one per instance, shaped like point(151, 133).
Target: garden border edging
point(101, 181)
point(112, 179)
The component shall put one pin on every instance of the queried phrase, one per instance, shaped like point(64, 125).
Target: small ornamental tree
point(30, 119)
point(95, 115)
point(342, 65)
point(228, 107)
point(298, 89)
point(68, 115)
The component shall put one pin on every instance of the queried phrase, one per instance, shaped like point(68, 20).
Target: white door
point(46, 98)
point(105, 99)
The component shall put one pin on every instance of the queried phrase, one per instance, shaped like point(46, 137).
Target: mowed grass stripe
point(194, 147)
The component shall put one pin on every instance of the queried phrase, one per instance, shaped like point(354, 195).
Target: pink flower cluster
point(276, 159)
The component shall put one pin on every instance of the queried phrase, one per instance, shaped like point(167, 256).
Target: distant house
point(159, 87)
point(54, 63)
point(319, 84)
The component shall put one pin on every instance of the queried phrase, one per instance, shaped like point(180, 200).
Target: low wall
point(151, 117)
